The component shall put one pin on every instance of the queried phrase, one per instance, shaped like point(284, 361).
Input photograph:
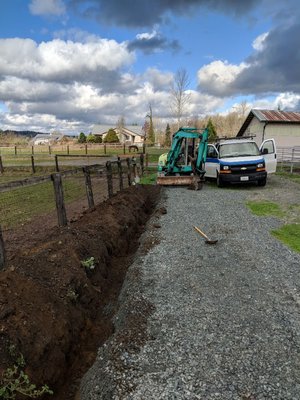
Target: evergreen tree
point(111, 137)
point(212, 133)
point(90, 138)
point(168, 136)
point(98, 139)
point(82, 138)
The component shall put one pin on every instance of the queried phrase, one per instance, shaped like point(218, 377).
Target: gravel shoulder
point(206, 322)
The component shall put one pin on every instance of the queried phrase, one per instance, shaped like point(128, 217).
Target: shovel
point(207, 240)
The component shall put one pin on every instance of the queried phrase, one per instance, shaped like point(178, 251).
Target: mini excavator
point(184, 163)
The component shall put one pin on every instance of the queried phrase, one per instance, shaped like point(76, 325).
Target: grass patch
point(23, 204)
point(289, 235)
point(265, 208)
point(149, 178)
point(293, 177)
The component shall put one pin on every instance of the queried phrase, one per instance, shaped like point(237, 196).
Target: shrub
point(111, 137)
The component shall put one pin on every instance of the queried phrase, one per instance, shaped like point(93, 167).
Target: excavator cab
point(184, 164)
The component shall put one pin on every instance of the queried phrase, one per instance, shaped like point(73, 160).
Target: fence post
point(144, 147)
point(85, 147)
point(1, 166)
point(292, 165)
point(16, 150)
point(124, 148)
point(120, 173)
point(142, 164)
point(104, 148)
point(88, 187)
point(128, 171)
point(68, 149)
point(135, 175)
point(32, 150)
point(59, 200)
point(32, 164)
point(147, 160)
point(2, 251)
point(56, 163)
point(109, 179)
point(49, 149)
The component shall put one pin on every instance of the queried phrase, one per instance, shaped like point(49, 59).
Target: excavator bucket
point(174, 180)
point(192, 182)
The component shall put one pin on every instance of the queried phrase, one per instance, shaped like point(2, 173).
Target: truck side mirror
point(265, 151)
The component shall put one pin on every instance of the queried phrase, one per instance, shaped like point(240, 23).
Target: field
point(56, 265)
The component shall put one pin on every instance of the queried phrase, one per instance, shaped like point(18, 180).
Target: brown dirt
point(54, 311)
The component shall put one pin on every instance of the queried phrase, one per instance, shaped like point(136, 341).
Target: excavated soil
point(54, 311)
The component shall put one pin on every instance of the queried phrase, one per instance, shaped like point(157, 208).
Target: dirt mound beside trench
point(54, 311)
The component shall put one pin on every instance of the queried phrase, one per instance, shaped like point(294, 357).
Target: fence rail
point(63, 195)
point(289, 157)
point(86, 148)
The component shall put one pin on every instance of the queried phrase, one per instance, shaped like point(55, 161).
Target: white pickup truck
point(240, 161)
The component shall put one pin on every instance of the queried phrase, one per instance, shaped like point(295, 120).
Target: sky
point(66, 65)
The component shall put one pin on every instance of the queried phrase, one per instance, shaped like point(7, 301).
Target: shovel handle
point(201, 233)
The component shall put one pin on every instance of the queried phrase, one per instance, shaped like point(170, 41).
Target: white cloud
point(259, 42)
point(70, 85)
point(217, 76)
point(47, 7)
point(59, 60)
point(146, 35)
point(288, 101)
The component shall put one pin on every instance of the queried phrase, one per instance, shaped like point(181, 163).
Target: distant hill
point(21, 133)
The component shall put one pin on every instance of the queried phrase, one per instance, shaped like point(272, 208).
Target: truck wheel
point(220, 183)
point(262, 182)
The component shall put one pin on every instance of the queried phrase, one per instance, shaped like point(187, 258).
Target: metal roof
point(270, 116)
point(131, 129)
point(277, 116)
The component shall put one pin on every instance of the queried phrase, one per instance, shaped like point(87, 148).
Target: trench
point(54, 309)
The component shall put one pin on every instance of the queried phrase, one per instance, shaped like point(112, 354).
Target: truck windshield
point(238, 150)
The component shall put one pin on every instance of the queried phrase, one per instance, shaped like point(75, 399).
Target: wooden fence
point(117, 174)
point(57, 161)
point(86, 148)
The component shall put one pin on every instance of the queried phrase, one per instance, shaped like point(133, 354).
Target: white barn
point(283, 126)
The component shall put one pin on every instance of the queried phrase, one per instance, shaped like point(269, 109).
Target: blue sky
point(68, 64)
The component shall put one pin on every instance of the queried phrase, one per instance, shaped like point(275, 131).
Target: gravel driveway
point(205, 322)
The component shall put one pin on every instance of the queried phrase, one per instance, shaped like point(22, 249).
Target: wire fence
point(289, 157)
point(61, 197)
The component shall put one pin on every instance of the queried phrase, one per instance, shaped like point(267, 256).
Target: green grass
point(289, 234)
point(25, 203)
point(294, 177)
point(265, 208)
point(149, 178)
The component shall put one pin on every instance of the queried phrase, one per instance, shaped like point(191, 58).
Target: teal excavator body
point(184, 163)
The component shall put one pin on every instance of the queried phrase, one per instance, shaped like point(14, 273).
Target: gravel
point(200, 321)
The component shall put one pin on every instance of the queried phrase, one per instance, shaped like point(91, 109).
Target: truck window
point(270, 146)
point(238, 149)
point(211, 152)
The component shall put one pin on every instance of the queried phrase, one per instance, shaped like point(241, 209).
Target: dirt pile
point(57, 298)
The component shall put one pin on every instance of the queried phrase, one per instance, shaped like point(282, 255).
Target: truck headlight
point(225, 167)
point(260, 165)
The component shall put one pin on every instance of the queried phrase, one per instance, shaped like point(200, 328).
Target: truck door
point(268, 150)
point(212, 161)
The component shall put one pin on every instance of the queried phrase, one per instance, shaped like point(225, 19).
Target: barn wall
point(285, 135)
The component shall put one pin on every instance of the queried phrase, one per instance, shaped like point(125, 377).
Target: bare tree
point(179, 95)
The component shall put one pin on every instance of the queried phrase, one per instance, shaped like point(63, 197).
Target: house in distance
point(129, 135)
